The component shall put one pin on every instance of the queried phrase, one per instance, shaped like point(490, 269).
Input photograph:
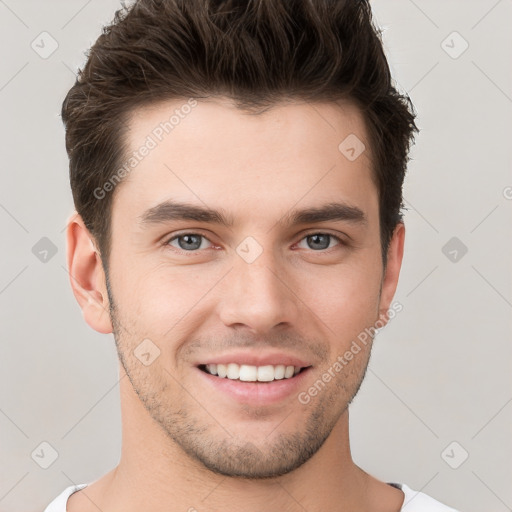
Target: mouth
point(265, 374)
point(255, 379)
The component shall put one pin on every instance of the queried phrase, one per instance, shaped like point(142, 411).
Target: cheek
point(169, 298)
point(346, 301)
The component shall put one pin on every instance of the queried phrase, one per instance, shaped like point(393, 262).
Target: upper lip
point(257, 359)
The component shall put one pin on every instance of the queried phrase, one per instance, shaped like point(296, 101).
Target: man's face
point(263, 289)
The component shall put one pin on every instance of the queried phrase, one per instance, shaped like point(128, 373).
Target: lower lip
point(257, 393)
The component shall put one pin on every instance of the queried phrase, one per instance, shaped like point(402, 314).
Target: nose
point(258, 296)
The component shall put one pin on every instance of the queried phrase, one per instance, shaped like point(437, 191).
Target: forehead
point(213, 153)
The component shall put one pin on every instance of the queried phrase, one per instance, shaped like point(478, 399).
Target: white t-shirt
point(414, 501)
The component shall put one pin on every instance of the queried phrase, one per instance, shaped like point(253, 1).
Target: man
point(237, 172)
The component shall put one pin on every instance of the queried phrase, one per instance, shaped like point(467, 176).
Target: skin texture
point(185, 444)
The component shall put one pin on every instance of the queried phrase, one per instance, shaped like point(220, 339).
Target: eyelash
point(174, 237)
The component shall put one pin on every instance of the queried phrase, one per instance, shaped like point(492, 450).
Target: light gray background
point(440, 371)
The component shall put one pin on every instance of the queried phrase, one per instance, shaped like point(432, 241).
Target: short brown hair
point(256, 52)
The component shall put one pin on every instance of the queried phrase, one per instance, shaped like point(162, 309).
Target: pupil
point(317, 237)
point(188, 244)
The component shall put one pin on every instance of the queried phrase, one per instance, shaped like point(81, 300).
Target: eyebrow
point(172, 210)
point(328, 212)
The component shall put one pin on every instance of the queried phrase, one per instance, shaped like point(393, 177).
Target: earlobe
point(390, 278)
point(87, 276)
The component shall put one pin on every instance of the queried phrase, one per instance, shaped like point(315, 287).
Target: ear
point(392, 271)
point(87, 276)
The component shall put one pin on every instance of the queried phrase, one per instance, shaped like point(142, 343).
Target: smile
point(250, 373)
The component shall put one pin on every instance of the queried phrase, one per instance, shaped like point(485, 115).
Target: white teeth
point(289, 372)
point(279, 371)
point(265, 373)
point(251, 373)
point(222, 371)
point(248, 373)
point(233, 371)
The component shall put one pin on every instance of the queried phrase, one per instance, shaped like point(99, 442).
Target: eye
point(320, 241)
point(189, 242)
